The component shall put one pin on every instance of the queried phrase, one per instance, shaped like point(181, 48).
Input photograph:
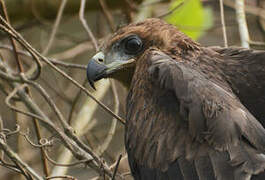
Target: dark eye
point(133, 45)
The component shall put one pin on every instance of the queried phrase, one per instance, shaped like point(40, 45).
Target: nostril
point(100, 60)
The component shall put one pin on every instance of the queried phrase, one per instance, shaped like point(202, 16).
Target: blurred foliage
point(190, 17)
point(22, 10)
point(34, 19)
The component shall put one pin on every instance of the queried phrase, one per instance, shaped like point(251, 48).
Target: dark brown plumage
point(192, 112)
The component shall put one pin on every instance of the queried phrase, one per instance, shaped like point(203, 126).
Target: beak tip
point(95, 71)
point(92, 84)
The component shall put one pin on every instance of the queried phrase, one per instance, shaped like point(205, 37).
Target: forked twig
point(8, 29)
point(11, 95)
point(16, 159)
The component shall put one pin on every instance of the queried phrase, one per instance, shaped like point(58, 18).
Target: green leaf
point(190, 18)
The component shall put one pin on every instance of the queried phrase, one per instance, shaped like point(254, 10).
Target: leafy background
point(34, 19)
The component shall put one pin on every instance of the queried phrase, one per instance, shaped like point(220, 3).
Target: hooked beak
point(97, 69)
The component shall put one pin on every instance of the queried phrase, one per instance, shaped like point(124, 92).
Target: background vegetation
point(51, 127)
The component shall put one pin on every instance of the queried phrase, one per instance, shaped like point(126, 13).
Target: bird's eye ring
point(100, 60)
point(133, 45)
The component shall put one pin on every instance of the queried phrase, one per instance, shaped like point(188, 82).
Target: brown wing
point(215, 118)
point(244, 70)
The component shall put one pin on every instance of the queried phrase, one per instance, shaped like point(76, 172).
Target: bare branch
point(249, 9)
point(65, 165)
point(116, 167)
point(10, 96)
point(55, 27)
point(8, 29)
point(82, 123)
point(75, 101)
point(242, 24)
point(11, 167)
point(54, 61)
point(107, 14)
point(40, 145)
point(84, 23)
point(19, 64)
point(16, 159)
point(223, 22)
point(144, 11)
point(102, 148)
point(60, 177)
point(171, 11)
point(74, 144)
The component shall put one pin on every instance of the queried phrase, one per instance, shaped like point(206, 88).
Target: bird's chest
point(152, 123)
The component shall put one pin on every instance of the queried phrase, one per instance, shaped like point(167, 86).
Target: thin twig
point(242, 24)
point(10, 96)
point(2, 135)
point(57, 94)
point(83, 122)
point(130, 8)
point(78, 148)
point(107, 14)
point(19, 64)
point(50, 125)
point(60, 177)
point(10, 30)
point(54, 61)
point(131, 4)
point(148, 3)
point(171, 11)
point(55, 27)
point(116, 167)
point(75, 101)
point(102, 148)
point(16, 168)
point(10, 133)
point(65, 165)
point(144, 12)
point(16, 159)
point(39, 137)
point(74, 51)
point(36, 53)
point(249, 9)
point(41, 143)
point(223, 22)
point(21, 70)
point(46, 96)
point(11, 167)
point(84, 23)
point(66, 127)
point(37, 71)
point(127, 174)
point(72, 144)
point(257, 43)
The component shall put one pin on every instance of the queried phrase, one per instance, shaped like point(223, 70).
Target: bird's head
point(118, 57)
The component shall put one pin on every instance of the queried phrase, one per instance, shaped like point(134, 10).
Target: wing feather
point(215, 117)
point(204, 168)
point(245, 72)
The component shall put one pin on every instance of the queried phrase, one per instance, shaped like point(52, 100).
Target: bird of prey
point(192, 112)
